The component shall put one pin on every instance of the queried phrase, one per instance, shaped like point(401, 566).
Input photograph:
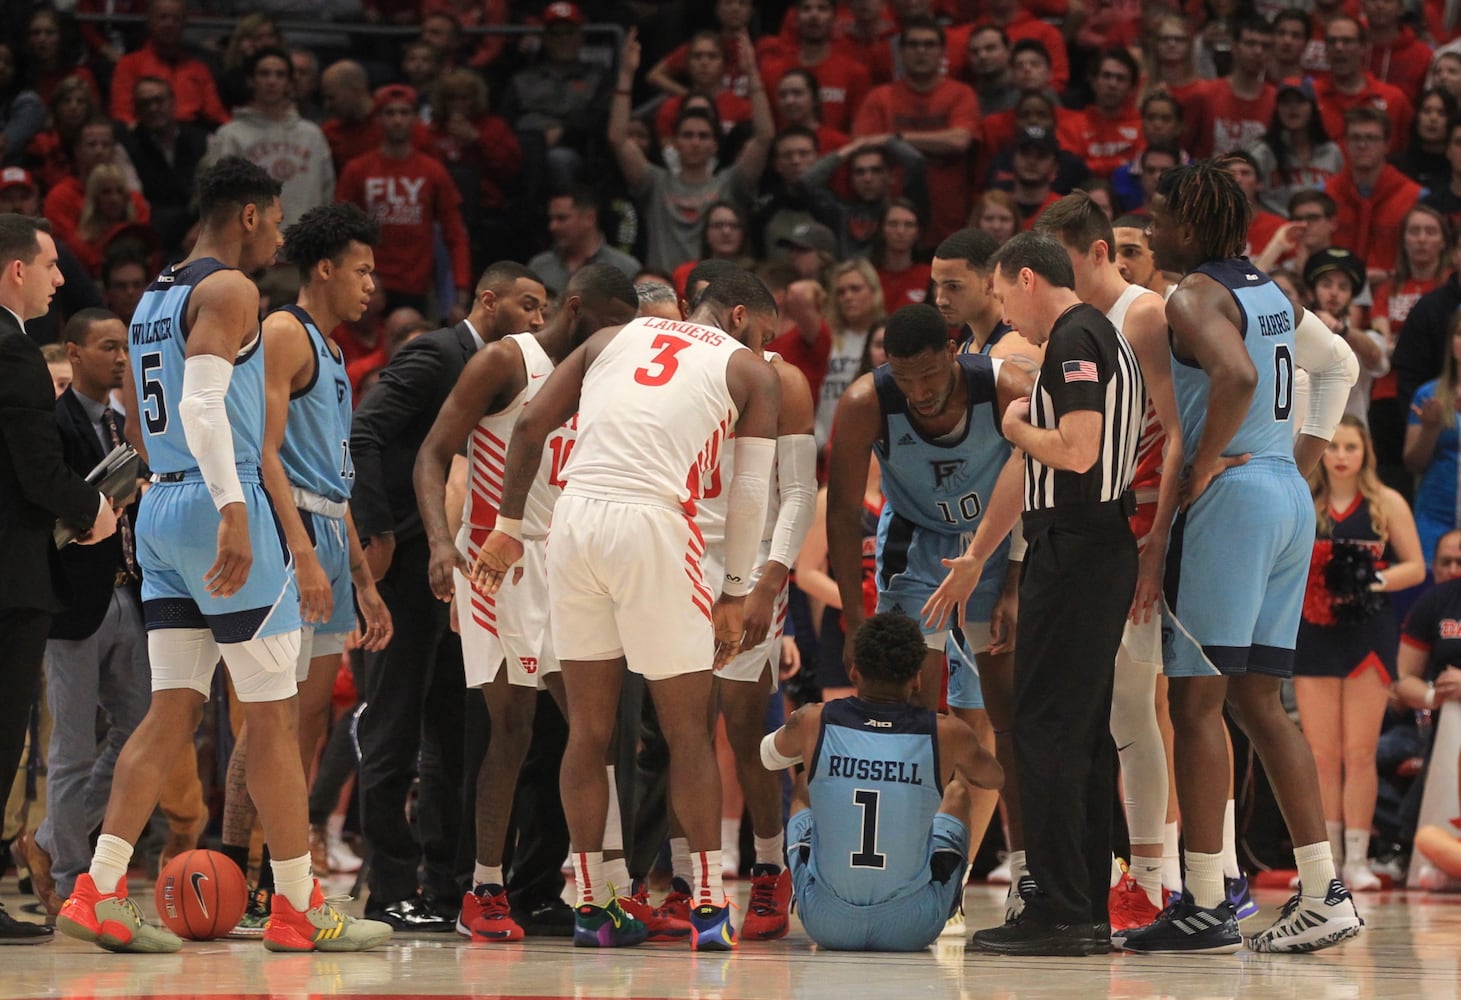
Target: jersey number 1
point(867, 855)
point(662, 366)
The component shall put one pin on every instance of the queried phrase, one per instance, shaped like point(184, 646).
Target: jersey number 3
point(662, 366)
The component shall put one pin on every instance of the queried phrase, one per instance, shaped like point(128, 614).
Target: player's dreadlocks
point(1207, 197)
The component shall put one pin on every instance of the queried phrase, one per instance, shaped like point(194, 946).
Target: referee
point(1079, 434)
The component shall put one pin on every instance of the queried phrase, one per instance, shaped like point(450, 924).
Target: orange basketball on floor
point(201, 895)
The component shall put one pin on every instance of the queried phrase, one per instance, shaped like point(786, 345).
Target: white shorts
point(748, 666)
point(511, 626)
point(626, 580)
point(261, 668)
point(314, 644)
point(1143, 643)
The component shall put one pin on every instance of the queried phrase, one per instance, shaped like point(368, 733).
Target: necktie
point(124, 526)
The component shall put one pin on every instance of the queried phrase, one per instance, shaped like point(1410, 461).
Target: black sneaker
point(1029, 935)
point(553, 918)
point(1186, 927)
point(14, 931)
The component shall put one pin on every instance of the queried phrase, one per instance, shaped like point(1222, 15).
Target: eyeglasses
point(1365, 139)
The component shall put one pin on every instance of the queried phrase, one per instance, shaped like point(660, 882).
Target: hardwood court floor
point(1411, 948)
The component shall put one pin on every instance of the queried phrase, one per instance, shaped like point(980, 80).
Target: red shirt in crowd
point(1395, 305)
point(1027, 222)
point(1105, 143)
point(1025, 25)
point(195, 97)
point(904, 288)
point(731, 109)
point(1376, 93)
point(63, 204)
point(1370, 225)
point(841, 82)
point(351, 139)
point(897, 107)
point(811, 358)
point(1402, 63)
point(1219, 121)
point(407, 196)
point(677, 64)
point(1262, 229)
point(495, 156)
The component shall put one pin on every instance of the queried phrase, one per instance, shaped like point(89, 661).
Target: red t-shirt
point(195, 96)
point(1028, 222)
point(496, 156)
point(407, 196)
point(1025, 25)
point(1333, 104)
point(1105, 143)
point(897, 107)
point(1395, 305)
point(63, 205)
point(1262, 229)
point(811, 358)
point(904, 288)
point(841, 82)
point(1223, 121)
point(351, 139)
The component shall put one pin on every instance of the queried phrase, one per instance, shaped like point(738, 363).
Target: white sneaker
point(1310, 923)
point(1001, 874)
point(1359, 878)
point(342, 858)
point(955, 926)
point(1014, 900)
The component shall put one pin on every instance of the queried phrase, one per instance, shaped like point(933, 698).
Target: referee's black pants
point(1079, 577)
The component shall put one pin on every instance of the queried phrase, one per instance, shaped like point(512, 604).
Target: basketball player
point(743, 685)
point(198, 370)
point(931, 415)
point(658, 401)
point(505, 644)
point(1239, 556)
point(878, 841)
point(308, 473)
point(1134, 255)
point(1086, 234)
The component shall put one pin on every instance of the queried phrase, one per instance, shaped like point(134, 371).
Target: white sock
point(1230, 843)
point(1148, 875)
point(1171, 858)
point(1205, 879)
point(1334, 830)
point(1357, 848)
point(769, 850)
point(616, 874)
point(293, 880)
point(486, 875)
point(730, 835)
point(680, 858)
point(334, 827)
point(1116, 873)
point(109, 863)
point(705, 886)
point(613, 825)
point(1316, 867)
point(1018, 867)
point(588, 868)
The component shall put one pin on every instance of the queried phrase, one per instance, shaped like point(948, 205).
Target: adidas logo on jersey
point(906, 439)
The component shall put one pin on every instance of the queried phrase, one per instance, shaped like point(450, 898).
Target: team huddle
point(639, 478)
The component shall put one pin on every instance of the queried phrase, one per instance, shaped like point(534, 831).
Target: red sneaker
point(1130, 908)
point(678, 902)
point(112, 921)
point(769, 914)
point(319, 928)
point(662, 924)
point(488, 916)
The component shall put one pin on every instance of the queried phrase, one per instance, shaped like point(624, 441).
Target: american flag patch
point(1080, 371)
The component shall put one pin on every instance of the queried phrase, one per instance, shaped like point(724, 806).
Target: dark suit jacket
point(89, 570)
point(393, 420)
point(36, 485)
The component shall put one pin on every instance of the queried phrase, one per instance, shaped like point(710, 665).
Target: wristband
point(1430, 697)
point(512, 527)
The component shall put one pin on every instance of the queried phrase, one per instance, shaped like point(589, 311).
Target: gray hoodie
point(293, 150)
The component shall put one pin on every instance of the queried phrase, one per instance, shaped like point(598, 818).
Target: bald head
point(345, 90)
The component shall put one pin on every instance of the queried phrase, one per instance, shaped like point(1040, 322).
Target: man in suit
point(412, 680)
point(36, 488)
point(97, 653)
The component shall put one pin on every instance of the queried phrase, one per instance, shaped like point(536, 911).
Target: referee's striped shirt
point(1088, 366)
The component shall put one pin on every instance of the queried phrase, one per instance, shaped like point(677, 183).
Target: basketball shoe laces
point(763, 896)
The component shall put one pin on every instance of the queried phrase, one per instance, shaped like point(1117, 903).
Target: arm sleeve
point(796, 477)
point(206, 428)
point(1332, 369)
point(745, 518)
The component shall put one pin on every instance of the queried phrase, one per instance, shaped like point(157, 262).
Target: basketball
point(201, 895)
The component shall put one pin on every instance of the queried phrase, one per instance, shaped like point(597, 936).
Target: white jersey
point(1153, 439)
point(487, 452)
point(654, 415)
point(714, 503)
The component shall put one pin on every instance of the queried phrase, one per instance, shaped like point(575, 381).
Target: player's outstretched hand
point(951, 596)
point(499, 554)
point(445, 559)
point(375, 618)
point(316, 596)
point(728, 616)
point(230, 571)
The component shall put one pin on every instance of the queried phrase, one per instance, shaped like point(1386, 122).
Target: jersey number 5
point(662, 366)
point(154, 407)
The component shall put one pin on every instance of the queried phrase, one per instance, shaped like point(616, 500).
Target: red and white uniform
point(624, 566)
point(511, 626)
point(710, 515)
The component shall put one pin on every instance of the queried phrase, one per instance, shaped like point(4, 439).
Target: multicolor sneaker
point(1310, 923)
point(1130, 906)
point(487, 916)
point(114, 920)
point(1014, 900)
point(321, 927)
point(713, 930)
point(678, 900)
point(1185, 927)
point(256, 916)
point(768, 916)
point(1241, 897)
point(660, 923)
point(606, 926)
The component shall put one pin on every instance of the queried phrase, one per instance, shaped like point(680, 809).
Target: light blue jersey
point(158, 341)
point(316, 447)
point(1268, 327)
point(874, 787)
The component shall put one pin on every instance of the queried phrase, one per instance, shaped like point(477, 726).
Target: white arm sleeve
point(1332, 369)
point(745, 517)
point(796, 481)
point(205, 425)
point(773, 759)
